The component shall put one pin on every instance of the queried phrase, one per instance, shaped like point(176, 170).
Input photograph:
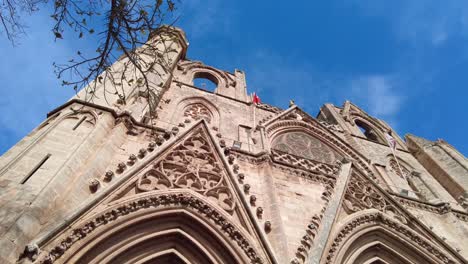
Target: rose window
point(197, 112)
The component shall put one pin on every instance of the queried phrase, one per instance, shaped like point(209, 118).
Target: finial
point(291, 103)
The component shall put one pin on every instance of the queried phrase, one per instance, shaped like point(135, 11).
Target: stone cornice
point(439, 208)
point(117, 115)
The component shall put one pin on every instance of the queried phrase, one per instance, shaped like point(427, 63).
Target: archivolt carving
point(198, 111)
point(361, 194)
point(182, 199)
point(378, 219)
point(191, 165)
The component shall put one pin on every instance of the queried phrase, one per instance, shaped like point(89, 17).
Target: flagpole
point(398, 163)
point(392, 148)
point(254, 123)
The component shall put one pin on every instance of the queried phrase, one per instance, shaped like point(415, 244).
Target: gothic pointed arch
point(371, 235)
point(181, 196)
point(152, 227)
point(294, 119)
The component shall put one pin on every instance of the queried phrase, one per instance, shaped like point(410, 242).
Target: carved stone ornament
point(151, 202)
point(269, 108)
point(303, 145)
point(302, 163)
point(128, 122)
point(396, 169)
point(440, 208)
point(193, 165)
point(332, 127)
point(198, 111)
point(361, 194)
point(299, 120)
point(377, 218)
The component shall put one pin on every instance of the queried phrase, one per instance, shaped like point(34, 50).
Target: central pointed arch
point(179, 227)
point(374, 237)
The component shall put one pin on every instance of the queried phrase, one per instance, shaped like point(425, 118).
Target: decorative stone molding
point(441, 208)
point(256, 159)
point(94, 185)
point(378, 218)
point(198, 111)
point(151, 201)
point(303, 163)
point(298, 119)
point(108, 176)
point(270, 108)
point(314, 177)
point(191, 164)
point(362, 194)
point(331, 127)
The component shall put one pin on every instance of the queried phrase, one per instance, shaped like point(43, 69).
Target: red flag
point(255, 98)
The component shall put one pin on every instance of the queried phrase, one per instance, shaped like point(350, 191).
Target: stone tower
point(216, 179)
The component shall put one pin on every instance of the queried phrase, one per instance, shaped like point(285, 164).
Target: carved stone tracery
point(361, 195)
point(193, 165)
point(198, 111)
point(298, 119)
point(306, 164)
point(396, 169)
point(301, 144)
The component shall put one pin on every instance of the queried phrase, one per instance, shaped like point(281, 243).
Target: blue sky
point(403, 61)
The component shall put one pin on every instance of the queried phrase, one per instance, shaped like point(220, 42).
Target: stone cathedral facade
point(215, 178)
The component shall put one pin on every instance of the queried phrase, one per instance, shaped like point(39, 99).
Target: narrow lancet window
point(35, 169)
point(79, 122)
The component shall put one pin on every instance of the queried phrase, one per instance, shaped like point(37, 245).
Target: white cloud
point(417, 22)
point(201, 18)
point(379, 93)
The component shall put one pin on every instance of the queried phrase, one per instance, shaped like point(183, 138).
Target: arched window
point(301, 144)
point(367, 131)
point(205, 80)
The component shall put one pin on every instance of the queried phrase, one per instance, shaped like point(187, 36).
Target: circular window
point(303, 145)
